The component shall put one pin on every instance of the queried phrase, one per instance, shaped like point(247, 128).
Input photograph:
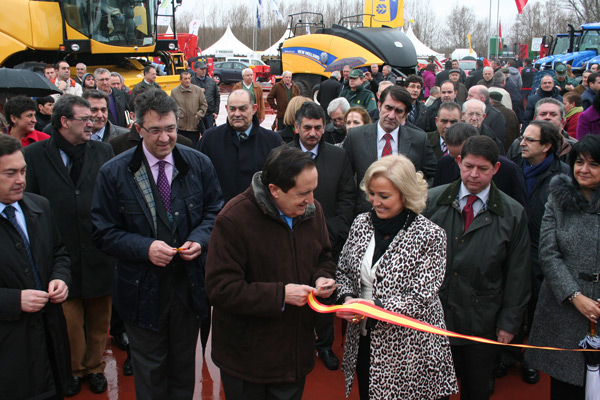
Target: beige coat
point(192, 106)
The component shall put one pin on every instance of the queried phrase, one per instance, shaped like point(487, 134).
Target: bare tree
point(426, 26)
point(460, 22)
point(584, 10)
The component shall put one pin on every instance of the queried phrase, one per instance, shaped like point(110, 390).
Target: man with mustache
point(239, 147)
point(64, 169)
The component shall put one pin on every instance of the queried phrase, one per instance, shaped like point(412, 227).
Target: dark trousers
point(209, 120)
point(194, 136)
point(164, 361)
point(474, 363)
point(324, 327)
point(363, 363)
point(238, 389)
point(560, 390)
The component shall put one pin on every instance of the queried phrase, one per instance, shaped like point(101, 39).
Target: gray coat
point(569, 246)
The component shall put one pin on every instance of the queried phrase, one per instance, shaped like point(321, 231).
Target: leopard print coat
point(405, 363)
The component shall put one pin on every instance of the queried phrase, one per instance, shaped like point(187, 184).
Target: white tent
point(422, 50)
point(228, 45)
point(274, 50)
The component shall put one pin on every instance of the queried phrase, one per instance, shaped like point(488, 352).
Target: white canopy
point(274, 50)
point(228, 44)
point(422, 50)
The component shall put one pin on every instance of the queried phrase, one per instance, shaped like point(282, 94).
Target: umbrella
point(592, 360)
point(352, 62)
point(28, 83)
point(470, 58)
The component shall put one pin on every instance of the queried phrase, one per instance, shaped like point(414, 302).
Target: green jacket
point(360, 97)
point(488, 278)
point(567, 81)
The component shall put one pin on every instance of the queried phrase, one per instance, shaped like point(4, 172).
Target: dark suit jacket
point(335, 191)
point(495, 121)
point(25, 362)
point(328, 90)
point(361, 145)
point(112, 131)
point(124, 142)
point(71, 204)
point(509, 177)
point(122, 105)
point(434, 140)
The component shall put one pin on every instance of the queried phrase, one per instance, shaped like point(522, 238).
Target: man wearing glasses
point(63, 169)
point(153, 209)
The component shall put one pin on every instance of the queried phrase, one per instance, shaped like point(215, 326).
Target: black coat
point(509, 178)
point(122, 105)
point(533, 99)
point(335, 191)
point(24, 361)
point(92, 270)
point(236, 162)
point(496, 122)
point(474, 76)
point(328, 90)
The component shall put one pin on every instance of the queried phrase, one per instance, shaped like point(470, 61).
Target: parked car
point(228, 71)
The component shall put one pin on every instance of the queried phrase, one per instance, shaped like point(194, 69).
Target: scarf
point(530, 172)
point(574, 111)
point(75, 153)
point(387, 229)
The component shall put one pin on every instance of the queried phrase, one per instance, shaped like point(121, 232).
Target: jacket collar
point(569, 197)
point(137, 160)
point(263, 198)
point(494, 205)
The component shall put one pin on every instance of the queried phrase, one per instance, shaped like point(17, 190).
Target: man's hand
point(160, 253)
point(569, 87)
point(368, 76)
point(193, 250)
point(297, 295)
point(504, 336)
point(324, 287)
point(33, 300)
point(57, 291)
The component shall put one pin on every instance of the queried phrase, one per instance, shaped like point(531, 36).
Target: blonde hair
point(289, 118)
point(401, 172)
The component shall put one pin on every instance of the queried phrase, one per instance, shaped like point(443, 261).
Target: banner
point(194, 26)
point(384, 12)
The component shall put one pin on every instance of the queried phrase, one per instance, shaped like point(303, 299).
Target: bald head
point(479, 92)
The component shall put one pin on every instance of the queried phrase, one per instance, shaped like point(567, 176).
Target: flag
point(521, 5)
point(275, 8)
point(384, 12)
point(470, 48)
point(258, 9)
point(500, 35)
point(194, 26)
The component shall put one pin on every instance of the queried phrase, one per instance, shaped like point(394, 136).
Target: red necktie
point(467, 210)
point(387, 148)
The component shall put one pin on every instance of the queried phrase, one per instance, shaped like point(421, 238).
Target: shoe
point(499, 370)
point(530, 375)
point(128, 367)
point(121, 340)
point(73, 386)
point(97, 382)
point(329, 359)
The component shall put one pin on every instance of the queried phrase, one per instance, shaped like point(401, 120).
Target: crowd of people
point(469, 202)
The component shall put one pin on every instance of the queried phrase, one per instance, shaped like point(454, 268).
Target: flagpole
point(489, 26)
point(497, 30)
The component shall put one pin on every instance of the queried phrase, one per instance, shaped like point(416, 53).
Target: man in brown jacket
point(192, 107)
point(281, 93)
point(256, 92)
point(263, 332)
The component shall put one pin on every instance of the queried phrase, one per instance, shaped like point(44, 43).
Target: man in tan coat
point(192, 108)
point(281, 93)
point(256, 92)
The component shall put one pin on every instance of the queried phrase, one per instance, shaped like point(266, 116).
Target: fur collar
point(570, 198)
point(263, 198)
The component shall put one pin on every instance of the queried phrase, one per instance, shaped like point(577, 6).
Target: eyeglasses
point(530, 140)
point(157, 131)
point(83, 119)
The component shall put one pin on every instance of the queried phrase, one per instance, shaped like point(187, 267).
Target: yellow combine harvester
point(116, 34)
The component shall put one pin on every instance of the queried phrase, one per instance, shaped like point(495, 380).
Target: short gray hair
point(499, 78)
point(336, 75)
point(487, 69)
point(246, 70)
point(548, 100)
point(118, 75)
point(286, 73)
point(99, 71)
point(340, 102)
point(475, 102)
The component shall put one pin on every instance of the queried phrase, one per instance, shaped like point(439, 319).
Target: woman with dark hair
point(429, 78)
point(589, 120)
point(568, 251)
point(395, 258)
point(356, 116)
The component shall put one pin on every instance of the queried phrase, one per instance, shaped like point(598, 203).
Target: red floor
point(321, 384)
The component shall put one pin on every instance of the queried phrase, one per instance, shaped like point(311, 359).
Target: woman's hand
point(352, 316)
point(587, 307)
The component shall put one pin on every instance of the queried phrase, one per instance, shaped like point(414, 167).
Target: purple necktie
point(163, 187)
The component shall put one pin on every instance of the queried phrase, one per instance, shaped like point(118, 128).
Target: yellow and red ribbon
point(372, 311)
